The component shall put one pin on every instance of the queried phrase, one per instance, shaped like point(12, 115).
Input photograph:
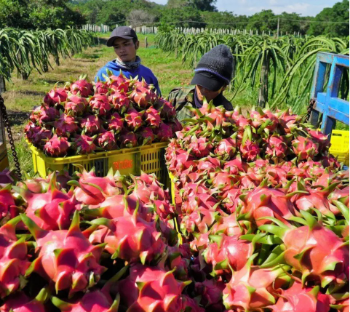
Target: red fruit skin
point(106, 140)
point(119, 101)
point(85, 144)
point(21, 303)
point(304, 148)
point(57, 146)
point(99, 104)
point(115, 123)
point(152, 117)
point(226, 147)
point(249, 151)
point(55, 96)
point(83, 87)
point(91, 125)
point(164, 132)
point(65, 126)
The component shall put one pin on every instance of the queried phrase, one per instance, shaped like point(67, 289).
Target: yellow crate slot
point(340, 145)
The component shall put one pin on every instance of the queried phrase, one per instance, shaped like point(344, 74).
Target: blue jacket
point(141, 72)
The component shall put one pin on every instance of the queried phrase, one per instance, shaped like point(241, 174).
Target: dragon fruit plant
point(86, 117)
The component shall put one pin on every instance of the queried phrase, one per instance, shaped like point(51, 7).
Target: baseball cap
point(121, 32)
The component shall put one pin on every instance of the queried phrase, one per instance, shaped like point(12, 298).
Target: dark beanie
point(217, 64)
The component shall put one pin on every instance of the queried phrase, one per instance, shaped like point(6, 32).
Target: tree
point(183, 17)
point(263, 21)
point(139, 18)
point(332, 21)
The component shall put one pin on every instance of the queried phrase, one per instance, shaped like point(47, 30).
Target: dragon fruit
point(133, 119)
point(31, 130)
point(128, 139)
point(41, 137)
point(200, 147)
point(131, 238)
point(106, 140)
point(297, 298)
point(251, 288)
point(151, 287)
point(101, 87)
point(92, 190)
point(208, 164)
point(164, 132)
point(13, 253)
point(152, 117)
point(226, 147)
point(223, 180)
point(115, 123)
point(75, 105)
point(66, 256)
point(276, 147)
point(91, 125)
point(57, 146)
point(321, 139)
point(21, 303)
point(100, 105)
point(210, 292)
point(84, 144)
point(83, 87)
point(119, 101)
point(143, 97)
point(249, 150)
point(175, 125)
point(55, 96)
point(51, 210)
point(315, 251)
point(43, 114)
point(65, 126)
point(167, 110)
point(146, 135)
point(96, 301)
point(227, 252)
point(119, 83)
point(304, 148)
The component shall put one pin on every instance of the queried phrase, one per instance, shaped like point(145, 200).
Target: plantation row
point(280, 69)
point(25, 51)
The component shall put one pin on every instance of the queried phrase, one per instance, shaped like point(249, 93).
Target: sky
point(249, 7)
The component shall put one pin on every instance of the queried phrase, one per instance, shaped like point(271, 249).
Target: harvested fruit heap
point(265, 208)
point(83, 118)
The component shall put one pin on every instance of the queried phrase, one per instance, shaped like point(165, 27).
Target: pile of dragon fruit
point(85, 117)
point(265, 210)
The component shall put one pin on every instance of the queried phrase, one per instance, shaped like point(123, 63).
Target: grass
point(22, 95)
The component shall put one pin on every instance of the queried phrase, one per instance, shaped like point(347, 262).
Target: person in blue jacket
point(125, 43)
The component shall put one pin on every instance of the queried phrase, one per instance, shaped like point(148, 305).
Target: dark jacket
point(142, 72)
point(181, 97)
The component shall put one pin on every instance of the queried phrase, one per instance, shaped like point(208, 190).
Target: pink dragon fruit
point(55, 96)
point(100, 105)
point(304, 148)
point(146, 136)
point(93, 190)
point(210, 292)
point(208, 164)
point(93, 301)
point(106, 140)
point(167, 110)
point(276, 147)
point(297, 298)
point(133, 119)
point(226, 147)
point(151, 286)
point(200, 147)
point(101, 87)
point(164, 132)
point(229, 226)
point(128, 139)
point(43, 114)
point(119, 83)
point(13, 253)
point(143, 97)
point(235, 166)
point(200, 220)
point(91, 125)
point(251, 288)
point(226, 252)
point(51, 210)
point(321, 139)
point(314, 250)
point(57, 146)
point(222, 180)
point(84, 144)
point(31, 130)
point(115, 123)
point(152, 117)
point(175, 125)
point(65, 126)
point(249, 150)
point(75, 105)
point(42, 137)
point(83, 87)
point(131, 238)
point(66, 257)
point(21, 303)
point(119, 101)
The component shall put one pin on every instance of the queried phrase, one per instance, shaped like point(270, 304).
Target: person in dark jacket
point(125, 43)
point(212, 75)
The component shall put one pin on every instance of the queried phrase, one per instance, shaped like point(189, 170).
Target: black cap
point(214, 70)
point(121, 32)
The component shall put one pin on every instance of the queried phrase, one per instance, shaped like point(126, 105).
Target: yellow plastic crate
point(340, 146)
point(172, 188)
point(149, 158)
